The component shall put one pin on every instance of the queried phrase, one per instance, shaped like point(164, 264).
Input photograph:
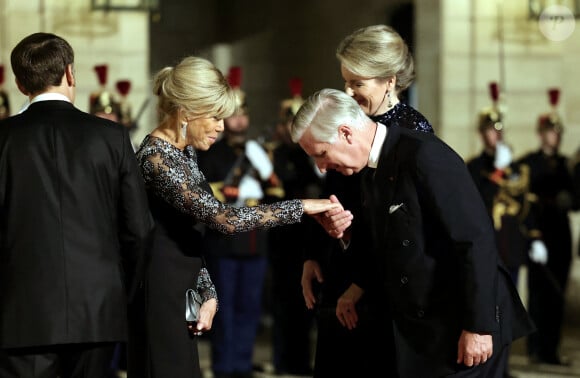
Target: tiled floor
point(520, 367)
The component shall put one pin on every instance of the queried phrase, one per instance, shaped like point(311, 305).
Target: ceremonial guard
point(4, 101)
point(102, 102)
point(125, 108)
point(293, 322)
point(505, 188)
point(240, 172)
point(551, 182)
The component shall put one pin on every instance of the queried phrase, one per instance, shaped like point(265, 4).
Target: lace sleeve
point(177, 180)
point(205, 286)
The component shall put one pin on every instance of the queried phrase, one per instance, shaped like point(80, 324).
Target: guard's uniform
point(551, 182)
point(102, 102)
point(240, 173)
point(505, 189)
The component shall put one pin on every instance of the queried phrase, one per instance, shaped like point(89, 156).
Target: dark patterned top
point(174, 175)
point(405, 116)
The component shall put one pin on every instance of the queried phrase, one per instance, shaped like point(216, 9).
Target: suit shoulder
point(101, 125)
point(472, 159)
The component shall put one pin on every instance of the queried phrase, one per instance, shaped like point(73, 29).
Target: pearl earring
point(184, 129)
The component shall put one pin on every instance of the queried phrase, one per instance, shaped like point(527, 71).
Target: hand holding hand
point(335, 221)
point(310, 271)
point(538, 252)
point(474, 349)
point(317, 206)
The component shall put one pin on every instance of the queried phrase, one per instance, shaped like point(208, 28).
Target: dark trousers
point(239, 283)
point(546, 285)
point(89, 360)
point(442, 362)
point(360, 352)
point(293, 322)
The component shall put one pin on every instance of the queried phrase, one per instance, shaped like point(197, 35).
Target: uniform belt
point(251, 202)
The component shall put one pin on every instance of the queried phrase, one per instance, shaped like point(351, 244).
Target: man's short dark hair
point(40, 60)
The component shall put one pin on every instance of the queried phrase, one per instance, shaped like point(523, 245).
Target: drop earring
point(389, 100)
point(184, 129)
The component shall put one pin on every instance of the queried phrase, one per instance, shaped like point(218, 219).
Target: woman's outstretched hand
point(317, 206)
point(334, 219)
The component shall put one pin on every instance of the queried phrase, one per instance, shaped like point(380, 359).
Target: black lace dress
point(406, 116)
point(182, 204)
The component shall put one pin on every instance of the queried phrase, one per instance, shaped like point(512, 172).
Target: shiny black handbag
point(193, 303)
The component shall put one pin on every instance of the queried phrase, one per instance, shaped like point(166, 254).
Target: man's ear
point(70, 76)
point(21, 88)
point(345, 132)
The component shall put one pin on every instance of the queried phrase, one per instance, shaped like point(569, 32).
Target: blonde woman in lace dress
point(193, 99)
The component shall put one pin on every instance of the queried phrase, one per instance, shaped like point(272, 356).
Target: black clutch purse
point(193, 303)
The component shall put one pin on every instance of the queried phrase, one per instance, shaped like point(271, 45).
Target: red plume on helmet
point(494, 91)
point(123, 86)
point(289, 107)
point(235, 81)
point(551, 120)
point(101, 100)
point(491, 116)
point(235, 77)
point(102, 71)
point(554, 96)
point(296, 87)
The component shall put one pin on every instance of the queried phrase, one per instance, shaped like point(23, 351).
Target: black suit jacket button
point(404, 280)
point(420, 313)
point(406, 243)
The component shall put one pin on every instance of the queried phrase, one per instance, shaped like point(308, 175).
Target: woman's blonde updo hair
point(196, 87)
point(379, 52)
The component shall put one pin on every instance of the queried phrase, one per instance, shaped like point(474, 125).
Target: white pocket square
point(394, 208)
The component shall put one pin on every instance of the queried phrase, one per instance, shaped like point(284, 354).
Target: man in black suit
point(453, 305)
point(74, 224)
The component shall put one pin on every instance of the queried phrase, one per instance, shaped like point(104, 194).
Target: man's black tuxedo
point(74, 224)
point(434, 248)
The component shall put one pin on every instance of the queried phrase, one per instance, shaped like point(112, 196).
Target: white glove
point(503, 156)
point(538, 252)
point(259, 159)
point(249, 188)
